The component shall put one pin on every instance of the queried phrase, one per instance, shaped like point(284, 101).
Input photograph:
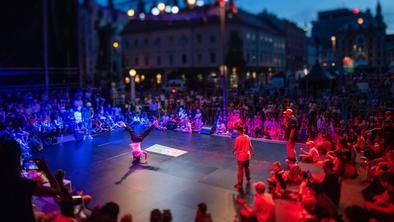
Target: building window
point(184, 59)
point(183, 40)
point(171, 39)
point(135, 43)
point(212, 57)
point(158, 60)
point(212, 38)
point(171, 59)
point(136, 61)
point(147, 60)
point(157, 42)
point(199, 58)
point(199, 38)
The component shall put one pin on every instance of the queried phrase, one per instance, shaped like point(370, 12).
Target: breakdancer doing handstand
point(136, 141)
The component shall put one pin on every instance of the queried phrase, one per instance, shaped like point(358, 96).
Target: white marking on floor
point(165, 150)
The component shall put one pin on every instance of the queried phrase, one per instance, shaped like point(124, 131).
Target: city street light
point(223, 68)
point(191, 3)
point(161, 6)
point(131, 12)
point(132, 74)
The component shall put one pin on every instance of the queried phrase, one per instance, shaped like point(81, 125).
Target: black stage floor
point(207, 173)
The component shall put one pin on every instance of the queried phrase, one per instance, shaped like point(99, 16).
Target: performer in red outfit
point(243, 150)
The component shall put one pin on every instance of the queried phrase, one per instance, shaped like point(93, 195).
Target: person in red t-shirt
point(243, 150)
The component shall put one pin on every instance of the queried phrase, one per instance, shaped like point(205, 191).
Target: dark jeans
point(243, 165)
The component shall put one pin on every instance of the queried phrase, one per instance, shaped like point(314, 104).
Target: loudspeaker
point(234, 134)
point(206, 130)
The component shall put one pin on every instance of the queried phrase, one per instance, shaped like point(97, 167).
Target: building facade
point(390, 50)
point(100, 54)
point(193, 45)
point(296, 41)
point(352, 36)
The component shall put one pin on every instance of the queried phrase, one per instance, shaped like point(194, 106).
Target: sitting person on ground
point(201, 214)
point(107, 213)
point(382, 206)
point(356, 214)
point(293, 175)
point(78, 197)
point(330, 185)
point(156, 215)
point(344, 160)
point(263, 207)
point(276, 182)
point(307, 196)
point(167, 216)
point(310, 156)
point(324, 142)
point(16, 191)
point(375, 166)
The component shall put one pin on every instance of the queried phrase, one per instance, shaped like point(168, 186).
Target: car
point(174, 86)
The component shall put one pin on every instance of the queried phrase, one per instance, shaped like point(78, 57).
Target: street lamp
point(223, 74)
point(132, 74)
point(131, 12)
point(223, 68)
point(191, 3)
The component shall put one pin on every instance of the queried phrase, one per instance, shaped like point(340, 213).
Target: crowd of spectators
point(337, 126)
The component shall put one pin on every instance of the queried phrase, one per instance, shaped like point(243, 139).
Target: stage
point(204, 172)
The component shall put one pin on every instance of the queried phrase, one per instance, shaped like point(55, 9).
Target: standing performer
point(243, 150)
point(136, 141)
point(290, 134)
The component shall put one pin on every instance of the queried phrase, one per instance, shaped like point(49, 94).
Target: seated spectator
point(330, 186)
point(166, 216)
point(310, 156)
point(293, 175)
point(201, 214)
point(107, 213)
point(263, 206)
point(356, 214)
point(276, 182)
point(156, 216)
point(381, 207)
point(307, 196)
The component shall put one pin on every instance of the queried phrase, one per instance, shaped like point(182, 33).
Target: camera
point(30, 165)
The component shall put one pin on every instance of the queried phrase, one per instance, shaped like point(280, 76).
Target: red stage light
point(173, 90)
point(356, 11)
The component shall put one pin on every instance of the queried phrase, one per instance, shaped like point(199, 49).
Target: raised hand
point(122, 124)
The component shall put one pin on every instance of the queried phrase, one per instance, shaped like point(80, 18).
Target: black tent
point(317, 79)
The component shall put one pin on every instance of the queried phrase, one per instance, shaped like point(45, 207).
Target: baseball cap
point(288, 111)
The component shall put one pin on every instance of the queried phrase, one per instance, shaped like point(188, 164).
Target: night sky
point(305, 11)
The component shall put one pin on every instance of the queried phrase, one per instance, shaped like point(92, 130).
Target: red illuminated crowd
point(343, 129)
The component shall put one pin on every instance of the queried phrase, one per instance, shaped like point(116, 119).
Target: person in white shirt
point(243, 151)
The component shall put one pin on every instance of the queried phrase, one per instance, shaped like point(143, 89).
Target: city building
point(296, 41)
point(100, 43)
point(390, 50)
point(352, 36)
point(194, 43)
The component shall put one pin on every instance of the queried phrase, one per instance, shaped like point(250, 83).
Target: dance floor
point(206, 173)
